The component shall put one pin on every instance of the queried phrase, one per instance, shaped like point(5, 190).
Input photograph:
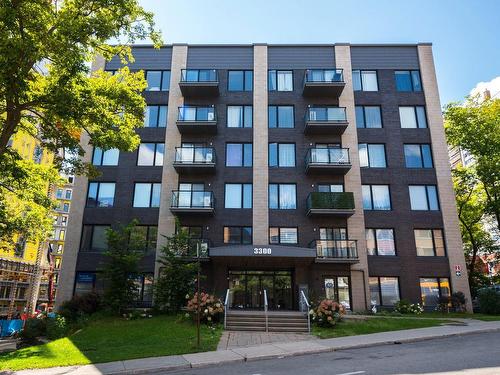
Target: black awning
point(262, 251)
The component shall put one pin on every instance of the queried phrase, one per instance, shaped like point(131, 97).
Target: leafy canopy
point(47, 92)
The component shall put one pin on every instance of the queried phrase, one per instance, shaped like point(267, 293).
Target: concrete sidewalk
point(272, 350)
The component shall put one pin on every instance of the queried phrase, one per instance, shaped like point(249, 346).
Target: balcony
point(199, 82)
point(197, 120)
point(187, 201)
point(325, 120)
point(323, 82)
point(194, 159)
point(195, 247)
point(328, 160)
point(335, 251)
point(330, 204)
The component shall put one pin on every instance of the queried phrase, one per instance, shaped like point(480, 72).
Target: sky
point(465, 34)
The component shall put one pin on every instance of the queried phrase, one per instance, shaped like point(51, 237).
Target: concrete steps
point(278, 321)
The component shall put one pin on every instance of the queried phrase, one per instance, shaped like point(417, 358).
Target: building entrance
point(247, 289)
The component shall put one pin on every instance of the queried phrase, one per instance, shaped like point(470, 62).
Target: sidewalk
point(272, 350)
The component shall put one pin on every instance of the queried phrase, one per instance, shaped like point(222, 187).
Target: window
point(280, 80)
point(423, 198)
point(368, 117)
point(20, 247)
point(68, 193)
point(156, 116)
point(281, 154)
point(384, 291)
point(238, 196)
point(84, 283)
point(408, 80)
point(238, 155)
point(412, 117)
point(429, 242)
point(281, 116)
point(364, 80)
point(147, 195)
point(94, 238)
point(376, 197)
point(433, 288)
point(380, 242)
point(282, 196)
point(37, 154)
point(158, 80)
point(238, 235)
point(239, 116)
point(106, 158)
point(331, 188)
point(65, 207)
point(64, 220)
point(143, 237)
point(240, 80)
point(337, 289)
point(101, 194)
point(418, 156)
point(59, 193)
point(283, 235)
point(371, 155)
point(151, 154)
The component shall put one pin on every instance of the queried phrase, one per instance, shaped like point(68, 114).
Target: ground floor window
point(433, 288)
point(384, 291)
point(337, 288)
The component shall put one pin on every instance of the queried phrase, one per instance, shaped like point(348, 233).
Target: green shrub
point(56, 327)
point(85, 304)
point(406, 307)
point(328, 313)
point(33, 329)
point(458, 301)
point(489, 301)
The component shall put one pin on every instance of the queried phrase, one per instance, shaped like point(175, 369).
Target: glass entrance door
point(248, 287)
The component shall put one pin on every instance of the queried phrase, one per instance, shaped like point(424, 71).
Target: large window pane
point(374, 291)
point(407, 117)
point(376, 155)
point(380, 197)
point(369, 80)
point(286, 155)
point(389, 287)
point(234, 116)
point(288, 235)
point(92, 194)
point(234, 155)
point(246, 235)
point(417, 84)
point(247, 195)
point(439, 242)
point(273, 196)
point(272, 80)
point(418, 198)
point(385, 242)
point(154, 80)
point(373, 117)
point(155, 195)
point(422, 120)
point(285, 117)
point(142, 194)
point(403, 81)
point(360, 117)
point(356, 80)
point(432, 197)
point(426, 156)
point(367, 197)
point(151, 118)
point(413, 157)
point(273, 116)
point(160, 151)
point(423, 242)
point(247, 116)
point(429, 288)
point(110, 157)
point(247, 155)
point(99, 238)
point(285, 80)
point(235, 80)
point(146, 154)
point(363, 155)
point(273, 154)
point(287, 199)
point(371, 245)
point(165, 81)
point(106, 194)
point(233, 196)
point(248, 80)
point(97, 158)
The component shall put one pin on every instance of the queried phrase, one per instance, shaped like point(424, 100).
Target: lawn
point(113, 339)
point(351, 327)
point(451, 315)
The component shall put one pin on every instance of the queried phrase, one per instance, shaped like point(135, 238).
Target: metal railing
point(226, 307)
point(303, 299)
point(335, 249)
point(326, 200)
point(199, 75)
point(265, 310)
point(326, 114)
point(326, 156)
point(194, 155)
point(192, 199)
point(196, 113)
point(324, 75)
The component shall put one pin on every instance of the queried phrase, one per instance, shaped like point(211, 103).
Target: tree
point(47, 91)
point(475, 126)
point(176, 275)
point(124, 250)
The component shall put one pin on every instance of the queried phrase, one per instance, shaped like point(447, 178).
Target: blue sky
point(464, 33)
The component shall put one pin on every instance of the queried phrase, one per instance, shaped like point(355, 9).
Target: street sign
point(458, 273)
point(458, 268)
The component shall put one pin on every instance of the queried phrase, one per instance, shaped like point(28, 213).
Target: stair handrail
point(226, 307)
point(265, 310)
point(304, 298)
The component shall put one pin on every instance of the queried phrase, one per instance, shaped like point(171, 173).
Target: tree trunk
point(11, 122)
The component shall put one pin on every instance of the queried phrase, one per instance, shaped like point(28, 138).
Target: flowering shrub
point(211, 307)
point(328, 313)
point(406, 307)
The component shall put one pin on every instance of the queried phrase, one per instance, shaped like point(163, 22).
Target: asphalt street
point(477, 354)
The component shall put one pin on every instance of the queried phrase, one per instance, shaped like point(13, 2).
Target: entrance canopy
point(267, 251)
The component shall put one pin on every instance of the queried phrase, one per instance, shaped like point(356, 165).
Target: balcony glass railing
point(198, 246)
point(326, 114)
point(199, 114)
point(330, 201)
point(192, 199)
point(199, 75)
point(324, 75)
point(328, 156)
point(194, 155)
point(335, 249)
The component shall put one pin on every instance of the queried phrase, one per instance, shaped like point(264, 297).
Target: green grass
point(113, 339)
point(451, 315)
point(351, 327)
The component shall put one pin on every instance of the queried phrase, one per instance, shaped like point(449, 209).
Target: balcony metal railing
point(196, 114)
point(324, 75)
point(326, 114)
point(192, 199)
point(194, 155)
point(335, 249)
point(199, 75)
point(330, 201)
point(328, 156)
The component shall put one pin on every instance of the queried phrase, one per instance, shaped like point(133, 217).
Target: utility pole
point(198, 296)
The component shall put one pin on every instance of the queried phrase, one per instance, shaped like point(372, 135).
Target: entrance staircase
point(278, 321)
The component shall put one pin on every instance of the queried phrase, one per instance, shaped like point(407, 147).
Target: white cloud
point(493, 86)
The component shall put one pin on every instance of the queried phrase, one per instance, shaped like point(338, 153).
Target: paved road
point(477, 354)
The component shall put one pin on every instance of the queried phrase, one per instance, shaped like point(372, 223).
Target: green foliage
point(489, 301)
point(33, 329)
point(56, 327)
point(211, 308)
point(176, 275)
point(329, 200)
point(328, 313)
point(404, 306)
point(79, 306)
point(122, 261)
point(47, 92)
point(457, 301)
